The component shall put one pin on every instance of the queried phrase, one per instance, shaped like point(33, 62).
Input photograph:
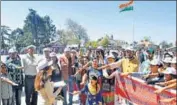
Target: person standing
point(13, 63)
point(56, 72)
point(46, 52)
point(44, 85)
point(6, 86)
point(29, 62)
point(67, 72)
point(108, 84)
point(129, 64)
point(75, 66)
point(145, 65)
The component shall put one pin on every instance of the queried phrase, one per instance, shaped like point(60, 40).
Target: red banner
point(138, 92)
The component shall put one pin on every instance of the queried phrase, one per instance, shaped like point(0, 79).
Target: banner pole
point(133, 31)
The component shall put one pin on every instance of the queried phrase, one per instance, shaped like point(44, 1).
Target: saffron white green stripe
point(130, 8)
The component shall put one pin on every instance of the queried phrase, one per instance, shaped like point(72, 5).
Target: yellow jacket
point(126, 65)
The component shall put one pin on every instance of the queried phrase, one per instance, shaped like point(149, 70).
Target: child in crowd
point(92, 90)
point(6, 86)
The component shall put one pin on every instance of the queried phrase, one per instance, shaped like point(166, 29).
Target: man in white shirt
point(29, 62)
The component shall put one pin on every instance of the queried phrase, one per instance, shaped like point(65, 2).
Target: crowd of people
point(90, 73)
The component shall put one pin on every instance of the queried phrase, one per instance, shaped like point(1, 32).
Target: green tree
point(99, 39)
point(164, 44)
point(49, 32)
point(74, 41)
point(27, 38)
point(16, 38)
point(39, 30)
point(105, 41)
point(31, 25)
point(147, 38)
point(93, 44)
point(5, 33)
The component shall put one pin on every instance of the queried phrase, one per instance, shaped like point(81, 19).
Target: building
point(116, 44)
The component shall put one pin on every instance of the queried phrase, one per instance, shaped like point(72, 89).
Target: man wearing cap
point(152, 78)
point(15, 70)
point(46, 52)
point(128, 64)
point(29, 63)
point(166, 62)
point(67, 72)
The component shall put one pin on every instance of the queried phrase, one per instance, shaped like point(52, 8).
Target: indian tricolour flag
point(126, 7)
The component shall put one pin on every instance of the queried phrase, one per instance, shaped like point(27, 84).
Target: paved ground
point(75, 98)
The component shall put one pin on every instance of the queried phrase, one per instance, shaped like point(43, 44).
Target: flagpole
point(127, 7)
point(133, 34)
point(133, 30)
